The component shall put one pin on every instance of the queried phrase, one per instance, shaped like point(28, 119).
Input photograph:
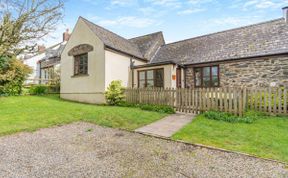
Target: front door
point(178, 77)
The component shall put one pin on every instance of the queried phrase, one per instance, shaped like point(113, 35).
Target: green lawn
point(28, 113)
point(266, 137)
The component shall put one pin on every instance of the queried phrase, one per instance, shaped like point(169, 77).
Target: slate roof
point(114, 41)
point(149, 44)
point(255, 40)
point(54, 51)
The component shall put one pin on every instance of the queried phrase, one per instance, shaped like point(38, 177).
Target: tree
point(23, 22)
point(12, 76)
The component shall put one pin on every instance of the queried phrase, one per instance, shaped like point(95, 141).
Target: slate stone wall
point(259, 72)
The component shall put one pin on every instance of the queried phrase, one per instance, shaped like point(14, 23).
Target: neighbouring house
point(254, 55)
point(46, 62)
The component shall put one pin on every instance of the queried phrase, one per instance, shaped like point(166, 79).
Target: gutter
point(238, 59)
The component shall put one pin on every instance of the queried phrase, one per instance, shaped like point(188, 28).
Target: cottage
point(45, 62)
point(254, 55)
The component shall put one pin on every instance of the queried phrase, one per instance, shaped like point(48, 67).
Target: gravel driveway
point(86, 150)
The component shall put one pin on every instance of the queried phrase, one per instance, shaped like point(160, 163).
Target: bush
point(150, 107)
point(13, 73)
point(38, 90)
point(227, 117)
point(115, 93)
point(157, 108)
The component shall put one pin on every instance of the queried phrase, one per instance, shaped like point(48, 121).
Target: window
point(81, 64)
point(206, 76)
point(151, 78)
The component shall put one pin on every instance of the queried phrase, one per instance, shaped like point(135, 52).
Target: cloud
point(55, 36)
point(194, 6)
point(129, 21)
point(199, 1)
point(234, 21)
point(190, 11)
point(122, 2)
point(259, 4)
point(166, 3)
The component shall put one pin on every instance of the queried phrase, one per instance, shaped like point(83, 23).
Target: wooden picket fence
point(268, 100)
point(197, 100)
point(232, 100)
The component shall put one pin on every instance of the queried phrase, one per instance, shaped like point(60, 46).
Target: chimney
point(41, 48)
point(66, 35)
point(285, 13)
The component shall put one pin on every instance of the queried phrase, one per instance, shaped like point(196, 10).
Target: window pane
point(206, 81)
point(215, 70)
point(150, 83)
point(141, 83)
point(142, 75)
point(159, 78)
point(198, 77)
point(81, 64)
point(206, 71)
point(215, 81)
point(150, 74)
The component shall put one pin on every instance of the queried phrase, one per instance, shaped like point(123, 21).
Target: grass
point(266, 137)
point(29, 113)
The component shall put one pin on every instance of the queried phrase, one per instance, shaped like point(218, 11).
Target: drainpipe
point(132, 70)
point(185, 82)
point(40, 72)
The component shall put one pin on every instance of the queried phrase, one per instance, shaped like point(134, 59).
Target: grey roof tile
point(259, 39)
point(113, 40)
point(149, 44)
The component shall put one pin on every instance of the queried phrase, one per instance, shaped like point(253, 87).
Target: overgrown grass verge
point(150, 107)
point(249, 117)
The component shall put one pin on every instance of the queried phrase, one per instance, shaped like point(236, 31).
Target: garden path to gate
point(167, 126)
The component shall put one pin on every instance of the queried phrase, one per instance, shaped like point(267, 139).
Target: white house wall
point(117, 67)
point(33, 63)
point(90, 88)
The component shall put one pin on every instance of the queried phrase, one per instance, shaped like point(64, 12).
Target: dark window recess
point(151, 78)
point(207, 76)
point(81, 64)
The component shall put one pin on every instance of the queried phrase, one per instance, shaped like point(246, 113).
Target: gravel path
point(87, 150)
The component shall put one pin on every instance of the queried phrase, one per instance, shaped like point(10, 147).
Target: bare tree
point(22, 22)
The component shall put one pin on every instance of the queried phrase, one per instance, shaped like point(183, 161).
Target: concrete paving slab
point(167, 126)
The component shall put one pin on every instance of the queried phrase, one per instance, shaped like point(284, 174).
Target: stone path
point(167, 126)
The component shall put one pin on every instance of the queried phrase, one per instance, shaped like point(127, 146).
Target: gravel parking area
point(86, 150)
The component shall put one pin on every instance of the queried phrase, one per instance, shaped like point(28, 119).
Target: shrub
point(13, 73)
point(38, 90)
point(227, 117)
point(157, 108)
point(115, 93)
point(150, 107)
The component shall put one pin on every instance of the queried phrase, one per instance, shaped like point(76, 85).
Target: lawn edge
point(212, 148)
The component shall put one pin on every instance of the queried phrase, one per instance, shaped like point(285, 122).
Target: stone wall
point(261, 72)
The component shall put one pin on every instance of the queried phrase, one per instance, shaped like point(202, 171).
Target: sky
point(177, 19)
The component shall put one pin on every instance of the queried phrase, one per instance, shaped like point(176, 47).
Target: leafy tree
point(22, 22)
point(115, 93)
point(12, 77)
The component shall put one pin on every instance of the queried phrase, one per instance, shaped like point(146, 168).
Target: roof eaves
point(239, 58)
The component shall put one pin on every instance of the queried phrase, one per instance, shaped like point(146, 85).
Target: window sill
point(79, 75)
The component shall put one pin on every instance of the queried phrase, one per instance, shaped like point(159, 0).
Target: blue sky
point(178, 19)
